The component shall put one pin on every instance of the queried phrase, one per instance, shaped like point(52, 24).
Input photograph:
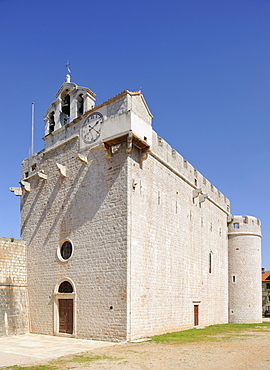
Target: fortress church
point(121, 238)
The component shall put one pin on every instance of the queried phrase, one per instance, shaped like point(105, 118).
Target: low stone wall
point(13, 291)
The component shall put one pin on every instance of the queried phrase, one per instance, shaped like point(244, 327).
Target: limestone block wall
point(88, 206)
point(171, 236)
point(245, 286)
point(13, 294)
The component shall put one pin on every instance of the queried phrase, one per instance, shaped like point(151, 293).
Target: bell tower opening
point(80, 105)
point(51, 122)
point(65, 114)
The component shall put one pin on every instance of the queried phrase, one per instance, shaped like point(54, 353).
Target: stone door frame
point(57, 297)
point(196, 313)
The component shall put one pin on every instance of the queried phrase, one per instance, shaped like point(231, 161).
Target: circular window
point(65, 250)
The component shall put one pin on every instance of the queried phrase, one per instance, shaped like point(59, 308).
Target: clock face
point(92, 127)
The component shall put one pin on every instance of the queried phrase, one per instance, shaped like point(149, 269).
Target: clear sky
point(202, 65)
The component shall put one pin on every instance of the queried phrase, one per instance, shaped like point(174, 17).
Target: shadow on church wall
point(83, 196)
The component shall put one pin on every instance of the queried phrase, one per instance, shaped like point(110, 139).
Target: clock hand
point(93, 127)
point(96, 123)
point(94, 130)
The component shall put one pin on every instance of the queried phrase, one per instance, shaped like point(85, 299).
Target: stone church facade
point(123, 238)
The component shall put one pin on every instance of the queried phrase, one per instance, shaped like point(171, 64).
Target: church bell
point(66, 105)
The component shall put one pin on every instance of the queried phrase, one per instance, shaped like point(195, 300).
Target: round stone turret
point(245, 289)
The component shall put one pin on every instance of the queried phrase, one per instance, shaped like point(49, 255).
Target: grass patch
point(85, 358)
point(211, 333)
point(63, 362)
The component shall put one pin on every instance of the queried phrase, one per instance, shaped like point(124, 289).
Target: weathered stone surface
point(13, 296)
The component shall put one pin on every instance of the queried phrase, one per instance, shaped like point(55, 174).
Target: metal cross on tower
point(67, 66)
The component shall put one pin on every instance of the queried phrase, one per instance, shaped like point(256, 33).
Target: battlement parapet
point(162, 150)
point(244, 225)
point(5, 240)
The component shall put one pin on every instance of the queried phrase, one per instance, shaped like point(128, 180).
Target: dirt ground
point(246, 352)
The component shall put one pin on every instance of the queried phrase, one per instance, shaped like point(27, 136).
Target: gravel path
point(248, 351)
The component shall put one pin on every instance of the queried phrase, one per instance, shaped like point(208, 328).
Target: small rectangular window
point(236, 225)
point(210, 262)
point(33, 167)
point(26, 174)
point(233, 278)
point(267, 285)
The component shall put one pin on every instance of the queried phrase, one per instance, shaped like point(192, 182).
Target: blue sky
point(202, 65)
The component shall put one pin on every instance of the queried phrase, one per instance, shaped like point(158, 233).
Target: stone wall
point(13, 293)
point(171, 235)
point(89, 208)
point(141, 237)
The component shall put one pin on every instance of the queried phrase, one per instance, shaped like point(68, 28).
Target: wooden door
point(66, 316)
point(196, 315)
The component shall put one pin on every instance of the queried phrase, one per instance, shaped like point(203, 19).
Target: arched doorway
point(64, 308)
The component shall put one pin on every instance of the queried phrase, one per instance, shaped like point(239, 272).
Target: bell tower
point(71, 102)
